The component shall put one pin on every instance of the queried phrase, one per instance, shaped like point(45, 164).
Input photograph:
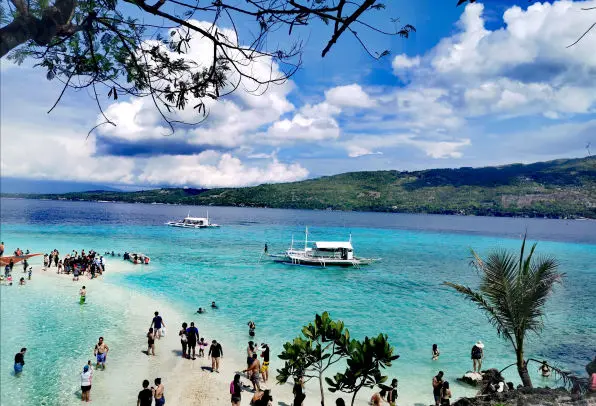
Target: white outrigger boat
point(193, 222)
point(322, 253)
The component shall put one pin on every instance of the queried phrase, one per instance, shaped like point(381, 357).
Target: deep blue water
point(401, 296)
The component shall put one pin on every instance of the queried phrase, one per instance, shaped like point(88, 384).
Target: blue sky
point(484, 84)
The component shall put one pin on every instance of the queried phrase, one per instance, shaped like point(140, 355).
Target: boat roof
point(333, 245)
point(196, 218)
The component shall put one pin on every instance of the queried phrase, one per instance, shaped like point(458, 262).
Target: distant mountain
point(22, 185)
point(561, 188)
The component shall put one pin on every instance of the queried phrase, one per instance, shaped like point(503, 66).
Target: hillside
point(561, 188)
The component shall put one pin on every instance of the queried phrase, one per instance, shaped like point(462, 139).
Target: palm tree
point(513, 292)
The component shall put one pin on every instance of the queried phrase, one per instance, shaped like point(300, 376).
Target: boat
point(136, 258)
point(323, 254)
point(16, 259)
point(193, 222)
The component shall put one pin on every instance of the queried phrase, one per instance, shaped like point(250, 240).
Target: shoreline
point(187, 382)
point(449, 213)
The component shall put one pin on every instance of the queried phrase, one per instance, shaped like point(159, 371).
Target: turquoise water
point(401, 296)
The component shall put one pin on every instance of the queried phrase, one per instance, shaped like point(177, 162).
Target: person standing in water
point(19, 361)
point(445, 394)
point(82, 295)
point(215, 352)
point(192, 334)
point(436, 352)
point(101, 353)
point(86, 377)
point(160, 398)
point(437, 386)
point(251, 328)
point(544, 370)
point(157, 323)
point(477, 356)
point(1, 248)
point(25, 265)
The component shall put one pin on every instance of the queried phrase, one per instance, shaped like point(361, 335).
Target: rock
point(471, 378)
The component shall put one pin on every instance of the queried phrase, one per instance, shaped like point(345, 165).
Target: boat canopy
point(195, 219)
point(332, 245)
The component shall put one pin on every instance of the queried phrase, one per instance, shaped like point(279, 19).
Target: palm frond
point(493, 315)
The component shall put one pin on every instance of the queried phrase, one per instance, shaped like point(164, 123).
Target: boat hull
point(323, 262)
point(180, 225)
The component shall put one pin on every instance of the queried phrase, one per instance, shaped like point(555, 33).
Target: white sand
point(185, 381)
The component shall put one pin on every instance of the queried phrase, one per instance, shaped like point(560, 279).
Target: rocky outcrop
point(530, 397)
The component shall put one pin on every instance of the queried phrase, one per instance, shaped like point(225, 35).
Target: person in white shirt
point(86, 377)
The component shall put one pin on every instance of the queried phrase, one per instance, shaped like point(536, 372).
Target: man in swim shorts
point(101, 353)
point(19, 361)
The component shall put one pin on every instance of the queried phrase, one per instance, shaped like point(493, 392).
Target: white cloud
point(225, 171)
point(349, 96)
point(367, 145)
point(402, 64)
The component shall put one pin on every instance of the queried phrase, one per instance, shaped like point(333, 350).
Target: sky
point(485, 84)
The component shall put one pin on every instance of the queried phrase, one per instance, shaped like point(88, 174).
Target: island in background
point(564, 188)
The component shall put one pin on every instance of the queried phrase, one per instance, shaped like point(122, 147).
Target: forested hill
point(561, 188)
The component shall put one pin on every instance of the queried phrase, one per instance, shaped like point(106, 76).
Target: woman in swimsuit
point(150, 342)
point(251, 328)
point(235, 390)
point(436, 352)
point(250, 350)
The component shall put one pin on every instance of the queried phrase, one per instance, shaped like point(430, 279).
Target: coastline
point(187, 382)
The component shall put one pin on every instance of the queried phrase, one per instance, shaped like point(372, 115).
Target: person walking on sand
point(202, 345)
point(392, 394)
point(236, 390)
point(215, 352)
point(157, 323)
point(160, 398)
point(436, 352)
point(19, 361)
point(254, 371)
point(86, 377)
point(265, 366)
point(445, 394)
point(183, 339)
point(82, 295)
point(151, 342)
point(477, 356)
point(437, 386)
point(101, 353)
point(192, 334)
point(298, 391)
point(145, 397)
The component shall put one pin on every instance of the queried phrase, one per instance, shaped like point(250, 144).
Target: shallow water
point(401, 296)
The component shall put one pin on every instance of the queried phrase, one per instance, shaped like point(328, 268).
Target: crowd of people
point(90, 263)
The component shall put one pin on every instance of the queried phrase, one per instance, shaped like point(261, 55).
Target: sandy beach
point(187, 382)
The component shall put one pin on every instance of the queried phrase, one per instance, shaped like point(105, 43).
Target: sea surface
point(402, 295)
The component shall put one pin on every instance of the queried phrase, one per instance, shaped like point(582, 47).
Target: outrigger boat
point(16, 259)
point(136, 258)
point(322, 253)
point(193, 222)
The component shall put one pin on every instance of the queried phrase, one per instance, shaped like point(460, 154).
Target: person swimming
point(213, 305)
point(201, 310)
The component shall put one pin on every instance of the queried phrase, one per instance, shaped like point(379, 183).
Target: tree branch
point(346, 23)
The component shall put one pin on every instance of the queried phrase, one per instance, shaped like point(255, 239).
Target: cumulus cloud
point(349, 96)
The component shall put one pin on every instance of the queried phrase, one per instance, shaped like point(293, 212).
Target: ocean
point(402, 295)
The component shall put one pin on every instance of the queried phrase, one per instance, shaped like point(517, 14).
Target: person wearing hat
point(86, 376)
point(477, 356)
